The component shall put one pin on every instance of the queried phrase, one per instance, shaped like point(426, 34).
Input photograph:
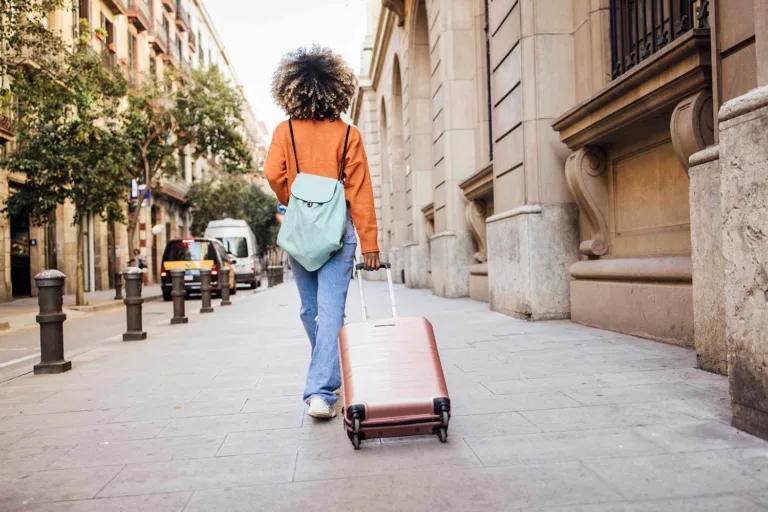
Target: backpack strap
point(293, 143)
point(342, 176)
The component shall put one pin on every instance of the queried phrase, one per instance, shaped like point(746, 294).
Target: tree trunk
point(80, 288)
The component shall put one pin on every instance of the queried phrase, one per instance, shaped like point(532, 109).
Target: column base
point(750, 420)
point(226, 302)
point(417, 263)
point(451, 255)
point(135, 336)
point(206, 310)
point(52, 367)
point(530, 251)
point(179, 320)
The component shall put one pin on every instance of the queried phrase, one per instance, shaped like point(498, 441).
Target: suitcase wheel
point(444, 418)
point(356, 425)
point(442, 434)
point(356, 441)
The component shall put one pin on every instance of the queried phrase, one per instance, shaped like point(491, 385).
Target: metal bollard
point(118, 286)
point(205, 290)
point(133, 302)
point(50, 284)
point(224, 286)
point(179, 295)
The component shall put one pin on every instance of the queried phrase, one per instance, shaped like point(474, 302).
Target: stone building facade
point(567, 159)
point(142, 37)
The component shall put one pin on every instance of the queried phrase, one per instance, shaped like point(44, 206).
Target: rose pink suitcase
point(391, 376)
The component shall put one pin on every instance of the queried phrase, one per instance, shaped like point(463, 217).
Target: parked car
point(193, 254)
point(240, 242)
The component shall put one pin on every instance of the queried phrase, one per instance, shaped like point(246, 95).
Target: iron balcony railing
point(182, 18)
point(141, 14)
point(192, 41)
point(640, 28)
point(8, 108)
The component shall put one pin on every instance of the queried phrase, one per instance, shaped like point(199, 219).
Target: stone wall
point(744, 186)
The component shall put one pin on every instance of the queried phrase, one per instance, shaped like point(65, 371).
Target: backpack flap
point(311, 188)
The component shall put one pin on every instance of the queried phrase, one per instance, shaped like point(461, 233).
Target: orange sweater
point(320, 146)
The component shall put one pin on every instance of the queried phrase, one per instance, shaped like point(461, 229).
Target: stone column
point(744, 200)
point(708, 263)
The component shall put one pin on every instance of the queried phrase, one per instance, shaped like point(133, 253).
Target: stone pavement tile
point(264, 441)
point(179, 410)
point(9, 438)
point(660, 363)
point(225, 395)
point(196, 474)
point(317, 462)
point(760, 499)
point(28, 488)
point(633, 377)
point(27, 460)
point(9, 396)
point(714, 408)
point(752, 460)
point(154, 503)
point(638, 393)
point(222, 425)
point(63, 419)
point(698, 436)
point(560, 446)
point(563, 384)
point(497, 424)
point(477, 404)
point(726, 503)
point(497, 489)
point(70, 436)
point(91, 454)
point(115, 399)
point(365, 494)
point(603, 416)
point(676, 475)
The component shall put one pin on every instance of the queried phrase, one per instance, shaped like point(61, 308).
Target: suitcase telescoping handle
point(359, 268)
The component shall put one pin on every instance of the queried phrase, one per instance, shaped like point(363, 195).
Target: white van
point(240, 242)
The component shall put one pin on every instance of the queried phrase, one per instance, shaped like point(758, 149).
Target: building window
point(132, 62)
point(640, 28)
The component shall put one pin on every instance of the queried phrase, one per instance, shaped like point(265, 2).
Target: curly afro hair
point(313, 84)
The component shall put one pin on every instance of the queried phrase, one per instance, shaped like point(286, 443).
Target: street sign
point(281, 208)
point(137, 189)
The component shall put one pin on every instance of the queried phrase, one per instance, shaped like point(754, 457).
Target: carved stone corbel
point(398, 8)
point(588, 182)
point(476, 213)
point(692, 126)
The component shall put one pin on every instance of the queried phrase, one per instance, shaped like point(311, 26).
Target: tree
point(162, 118)
point(69, 147)
point(234, 198)
point(25, 38)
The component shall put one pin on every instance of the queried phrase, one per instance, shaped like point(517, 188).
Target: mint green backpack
point(316, 219)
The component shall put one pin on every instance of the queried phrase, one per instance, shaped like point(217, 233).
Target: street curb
point(109, 306)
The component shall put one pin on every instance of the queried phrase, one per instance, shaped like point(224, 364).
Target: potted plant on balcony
point(101, 33)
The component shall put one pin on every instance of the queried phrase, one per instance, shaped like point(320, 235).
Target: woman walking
point(314, 87)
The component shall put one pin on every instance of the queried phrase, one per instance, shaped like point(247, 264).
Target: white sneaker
point(319, 408)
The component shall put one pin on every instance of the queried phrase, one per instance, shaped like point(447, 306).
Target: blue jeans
point(323, 297)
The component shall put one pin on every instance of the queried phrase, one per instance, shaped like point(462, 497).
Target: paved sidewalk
point(21, 313)
point(207, 417)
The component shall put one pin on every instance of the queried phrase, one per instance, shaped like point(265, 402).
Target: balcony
point(186, 67)
point(640, 28)
point(139, 14)
point(117, 6)
point(8, 107)
point(159, 38)
point(182, 19)
point(110, 60)
point(192, 42)
point(170, 5)
point(173, 57)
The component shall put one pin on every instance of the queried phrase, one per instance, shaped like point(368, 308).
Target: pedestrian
point(314, 87)
point(141, 263)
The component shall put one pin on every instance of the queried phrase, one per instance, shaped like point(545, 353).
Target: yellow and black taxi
point(193, 254)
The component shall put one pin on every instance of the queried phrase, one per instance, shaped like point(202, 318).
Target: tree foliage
point(203, 114)
point(25, 38)
point(235, 198)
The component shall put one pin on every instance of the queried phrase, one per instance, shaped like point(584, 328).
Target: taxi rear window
point(189, 250)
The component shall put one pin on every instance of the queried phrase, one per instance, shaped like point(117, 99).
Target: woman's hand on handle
point(371, 261)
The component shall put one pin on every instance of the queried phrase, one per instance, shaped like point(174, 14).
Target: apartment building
point(141, 37)
point(566, 159)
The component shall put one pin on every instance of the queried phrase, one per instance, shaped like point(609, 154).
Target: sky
point(256, 34)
